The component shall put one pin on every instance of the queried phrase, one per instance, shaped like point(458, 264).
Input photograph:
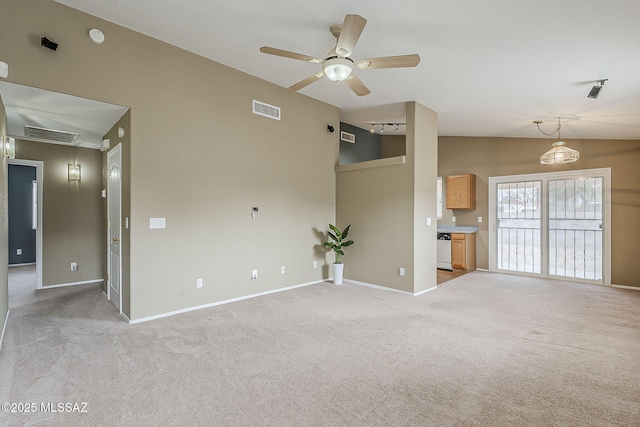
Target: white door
point(114, 225)
point(519, 226)
point(553, 225)
point(576, 212)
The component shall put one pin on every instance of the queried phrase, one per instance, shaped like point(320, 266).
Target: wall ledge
point(390, 161)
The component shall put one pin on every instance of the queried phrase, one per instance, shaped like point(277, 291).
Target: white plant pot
point(338, 270)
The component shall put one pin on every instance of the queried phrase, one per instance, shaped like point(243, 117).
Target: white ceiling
point(489, 68)
point(56, 111)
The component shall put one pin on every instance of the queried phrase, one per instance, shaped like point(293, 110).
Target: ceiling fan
point(338, 65)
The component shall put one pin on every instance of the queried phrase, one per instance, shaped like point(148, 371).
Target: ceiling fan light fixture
point(337, 69)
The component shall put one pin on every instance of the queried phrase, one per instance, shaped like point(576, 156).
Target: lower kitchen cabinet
point(463, 251)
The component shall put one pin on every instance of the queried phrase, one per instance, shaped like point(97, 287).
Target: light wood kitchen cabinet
point(461, 192)
point(463, 251)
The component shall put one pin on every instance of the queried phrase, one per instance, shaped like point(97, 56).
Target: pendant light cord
point(552, 133)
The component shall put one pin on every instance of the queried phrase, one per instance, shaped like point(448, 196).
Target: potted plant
point(338, 243)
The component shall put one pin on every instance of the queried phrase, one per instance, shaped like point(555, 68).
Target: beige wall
point(488, 157)
point(422, 147)
point(393, 145)
point(199, 158)
point(4, 232)
point(72, 223)
point(388, 206)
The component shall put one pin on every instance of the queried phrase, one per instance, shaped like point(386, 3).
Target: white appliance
point(444, 251)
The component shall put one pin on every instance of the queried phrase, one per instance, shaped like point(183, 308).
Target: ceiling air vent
point(266, 110)
point(347, 137)
point(35, 132)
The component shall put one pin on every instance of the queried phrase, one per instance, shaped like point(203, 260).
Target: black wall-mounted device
point(330, 128)
point(45, 42)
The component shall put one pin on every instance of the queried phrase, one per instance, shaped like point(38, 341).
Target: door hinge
point(108, 224)
point(108, 276)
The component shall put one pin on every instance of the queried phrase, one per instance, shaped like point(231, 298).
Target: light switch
point(479, 219)
point(428, 221)
point(157, 223)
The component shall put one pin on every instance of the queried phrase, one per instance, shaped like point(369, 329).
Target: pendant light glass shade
point(559, 154)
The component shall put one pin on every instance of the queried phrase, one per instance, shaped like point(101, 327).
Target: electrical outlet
point(282, 270)
point(199, 283)
point(74, 266)
point(402, 271)
point(479, 219)
point(254, 274)
point(453, 219)
point(315, 264)
point(19, 252)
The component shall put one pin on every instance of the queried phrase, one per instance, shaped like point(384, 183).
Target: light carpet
point(483, 349)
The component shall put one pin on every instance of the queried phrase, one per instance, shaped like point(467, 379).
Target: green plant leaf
point(333, 236)
point(345, 233)
point(348, 243)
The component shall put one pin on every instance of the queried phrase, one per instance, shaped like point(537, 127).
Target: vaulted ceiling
point(488, 68)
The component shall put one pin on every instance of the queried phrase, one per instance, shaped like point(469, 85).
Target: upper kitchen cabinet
point(461, 192)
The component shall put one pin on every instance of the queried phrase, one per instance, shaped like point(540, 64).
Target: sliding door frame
point(545, 177)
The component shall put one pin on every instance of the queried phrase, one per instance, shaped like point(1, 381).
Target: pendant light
point(560, 153)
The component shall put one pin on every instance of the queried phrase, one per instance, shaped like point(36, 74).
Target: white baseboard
point(4, 327)
point(425, 291)
point(213, 304)
point(384, 288)
point(633, 288)
point(62, 285)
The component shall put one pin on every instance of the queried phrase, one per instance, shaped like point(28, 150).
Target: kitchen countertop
point(457, 229)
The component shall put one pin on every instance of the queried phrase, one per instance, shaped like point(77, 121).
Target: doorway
point(552, 225)
point(35, 213)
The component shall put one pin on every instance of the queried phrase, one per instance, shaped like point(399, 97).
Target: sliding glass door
point(519, 226)
point(575, 227)
point(553, 225)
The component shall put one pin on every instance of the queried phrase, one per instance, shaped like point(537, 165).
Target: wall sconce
point(9, 148)
point(74, 172)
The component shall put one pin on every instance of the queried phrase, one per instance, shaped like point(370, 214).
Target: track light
point(595, 91)
point(395, 126)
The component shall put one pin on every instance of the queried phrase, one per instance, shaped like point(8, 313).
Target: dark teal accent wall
point(21, 233)
point(368, 146)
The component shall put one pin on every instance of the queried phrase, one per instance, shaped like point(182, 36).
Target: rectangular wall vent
point(266, 110)
point(347, 137)
point(35, 132)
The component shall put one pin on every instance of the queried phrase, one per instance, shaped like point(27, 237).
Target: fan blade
point(306, 82)
point(390, 62)
point(357, 86)
point(351, 29)
point(288, 54)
